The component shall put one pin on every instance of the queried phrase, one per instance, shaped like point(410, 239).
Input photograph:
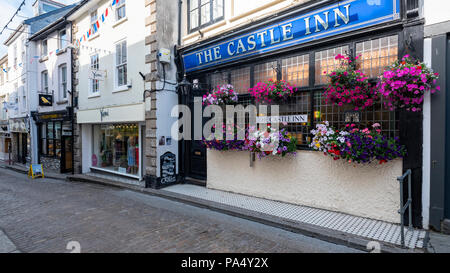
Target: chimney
point(42, 6)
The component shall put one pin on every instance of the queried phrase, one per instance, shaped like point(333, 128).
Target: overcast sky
point(7, 9)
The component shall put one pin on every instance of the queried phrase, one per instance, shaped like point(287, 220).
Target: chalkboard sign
point(168, 169)
point(36, 170)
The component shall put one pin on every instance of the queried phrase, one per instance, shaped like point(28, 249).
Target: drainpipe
point(72, 139)
point(180, 3)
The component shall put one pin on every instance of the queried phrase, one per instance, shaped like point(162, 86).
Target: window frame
point(62, 93)
point(45, 72)
point(45, 138)
point(45, 41)
point(62, 42)
point(91, 81)
point(211, 14)
point(123, 64)
point(93, 22)
point(119, 6)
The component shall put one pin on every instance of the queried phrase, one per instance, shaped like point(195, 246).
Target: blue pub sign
point(327, 21)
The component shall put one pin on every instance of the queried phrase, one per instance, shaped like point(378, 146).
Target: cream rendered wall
point(110, 32)
point(436, 11)
point(311, 179)
point(237, 13)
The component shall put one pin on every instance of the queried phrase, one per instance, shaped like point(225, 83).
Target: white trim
point(117, 173)
point(426, 163)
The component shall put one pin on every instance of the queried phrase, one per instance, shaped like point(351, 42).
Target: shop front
point(55, 144)
point(20, 140)
point(301, 47)
point(5, 141)
point(112, 140)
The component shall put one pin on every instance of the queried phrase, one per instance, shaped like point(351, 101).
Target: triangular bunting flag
point(106, 12)
point(98, 25)
point(114, 2)
point(103, 18)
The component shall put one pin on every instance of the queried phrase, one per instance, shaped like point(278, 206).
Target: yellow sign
point(36, 170)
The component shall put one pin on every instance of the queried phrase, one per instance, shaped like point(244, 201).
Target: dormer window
point(203, 13)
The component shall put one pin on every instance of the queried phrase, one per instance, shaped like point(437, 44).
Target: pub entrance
point(194, 152)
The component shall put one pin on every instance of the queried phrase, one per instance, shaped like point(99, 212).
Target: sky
point(8, 8)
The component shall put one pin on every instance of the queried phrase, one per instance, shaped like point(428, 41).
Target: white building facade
point(111, 111)
point(5, 136)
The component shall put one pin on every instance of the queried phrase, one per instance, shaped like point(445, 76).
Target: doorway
point(22, 148)
point(66, 157)
point(194, 150)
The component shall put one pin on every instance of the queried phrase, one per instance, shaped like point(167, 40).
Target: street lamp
point(184, 85)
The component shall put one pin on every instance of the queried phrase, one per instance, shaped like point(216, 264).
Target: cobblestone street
point(44, 215)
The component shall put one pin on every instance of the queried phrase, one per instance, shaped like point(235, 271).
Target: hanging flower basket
point(272, 91)
point(271, 142)
point(355, 145)
point(222, 95)
point(349, 86)
point(405, 84)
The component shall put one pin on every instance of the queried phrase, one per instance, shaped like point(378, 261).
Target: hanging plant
point(222, 95)
point(349, 86)
point(271, 142)
point(272, 91)
point(355, 145)
point(405, 84)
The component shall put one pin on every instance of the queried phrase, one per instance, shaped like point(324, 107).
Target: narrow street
point(44, 215)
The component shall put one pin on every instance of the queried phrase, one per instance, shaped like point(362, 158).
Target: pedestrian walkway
point(356, 226)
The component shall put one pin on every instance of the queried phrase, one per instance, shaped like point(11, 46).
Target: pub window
point(295, 70)
point(300, 104)
point(218, 79)
point(204, 12)
point(264, 72)
point(240, 79)
point(325, 61)
point(377, 54)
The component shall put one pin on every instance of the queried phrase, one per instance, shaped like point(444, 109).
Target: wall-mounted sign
point(99, 75)
point(45, 100)
point(330, 20)
point(18, 126)
point(281, 119)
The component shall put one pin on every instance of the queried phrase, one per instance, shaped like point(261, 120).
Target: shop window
point(240, 79)
point(264, 72)
point(121, 63)
point(295, 70)
point(51, 139)
point(325, 62)
point(204, 12)
point(116, 148)
point(94, 86)
point(120, 10)
point(377, 54)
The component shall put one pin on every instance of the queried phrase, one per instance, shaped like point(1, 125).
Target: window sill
point(43, 59)
point(61, 51)
point(124, 19)
point(121, 89)
point(92, 37)
point(62, 101)
point(93, 96)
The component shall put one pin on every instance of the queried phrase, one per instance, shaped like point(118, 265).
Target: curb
point(25, 171)
point(309, 230)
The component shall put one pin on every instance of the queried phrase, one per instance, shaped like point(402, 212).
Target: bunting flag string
point(96, 25)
